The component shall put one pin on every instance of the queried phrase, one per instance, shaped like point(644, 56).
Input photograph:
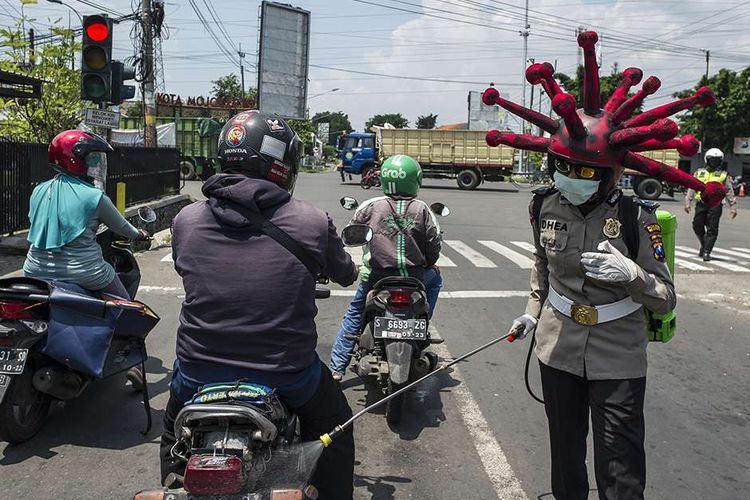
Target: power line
point(402, 77)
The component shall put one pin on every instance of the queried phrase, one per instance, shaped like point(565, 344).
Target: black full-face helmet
point(260, 145)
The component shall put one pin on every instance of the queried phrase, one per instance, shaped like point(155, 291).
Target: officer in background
point(706, 219)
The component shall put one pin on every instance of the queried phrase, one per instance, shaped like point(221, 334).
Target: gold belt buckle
point(584, 315)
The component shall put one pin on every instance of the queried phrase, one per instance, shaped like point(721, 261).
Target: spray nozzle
point(328, 438)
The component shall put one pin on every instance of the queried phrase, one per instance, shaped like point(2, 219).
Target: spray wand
point(328, 438)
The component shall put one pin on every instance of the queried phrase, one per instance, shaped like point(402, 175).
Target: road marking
point(496, 465)
point(740, 249)
point(459, 294)
point(167, 258)
point(356, 253)
point(525, 245)
point(472, 255)
point(720, 250)
point(444, 261)
point(520, 260)
point(686, 264)
point(168, 290)
point(732, 253)
point(724, 265)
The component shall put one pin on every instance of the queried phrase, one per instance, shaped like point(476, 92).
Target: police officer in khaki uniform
point(706, 219)
point(599, 261)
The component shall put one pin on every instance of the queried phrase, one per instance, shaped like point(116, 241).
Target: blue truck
point(456, 154)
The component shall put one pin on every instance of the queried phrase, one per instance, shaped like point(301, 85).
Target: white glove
point(522, 326)
point(612, 266)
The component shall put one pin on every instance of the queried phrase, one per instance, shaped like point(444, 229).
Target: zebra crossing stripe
point(167, 258)
point(733, 253)
point(724, 265)
point(743, 250)
point(524, 245)
point(356, 253)
point(520, 260)
point(686, 264)
point(444, 261)
point(472, 255)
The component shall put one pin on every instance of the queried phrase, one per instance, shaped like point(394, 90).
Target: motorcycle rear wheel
point(24, 410)
point(395, 407)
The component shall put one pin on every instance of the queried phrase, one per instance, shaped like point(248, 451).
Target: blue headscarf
point(61, 208)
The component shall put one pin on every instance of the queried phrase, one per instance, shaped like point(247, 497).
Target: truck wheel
point(187, 170)
point(649, 189)
point(468, 179)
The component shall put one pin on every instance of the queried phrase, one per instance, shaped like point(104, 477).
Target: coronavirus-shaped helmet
point(607, 137)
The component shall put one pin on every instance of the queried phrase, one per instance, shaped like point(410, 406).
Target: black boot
point(706, 256)
point(701, 252)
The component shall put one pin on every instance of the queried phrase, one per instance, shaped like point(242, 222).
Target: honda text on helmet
point(80, 154)
point(260, 145)
point(714, 158)
point(401, 176)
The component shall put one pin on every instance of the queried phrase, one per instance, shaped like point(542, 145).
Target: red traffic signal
point(97, 28)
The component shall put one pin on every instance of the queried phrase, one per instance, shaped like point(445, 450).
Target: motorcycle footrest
point(436, 340)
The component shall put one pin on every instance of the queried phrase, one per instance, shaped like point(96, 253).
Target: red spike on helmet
point(607, 137)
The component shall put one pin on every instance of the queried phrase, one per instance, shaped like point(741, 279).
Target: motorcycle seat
point(399, 282)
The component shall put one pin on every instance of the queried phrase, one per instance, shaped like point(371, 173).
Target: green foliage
point(305, 131)
point(536, 159)
point(717, 125)
point(229, 86)
point(607, 84)
point(427, 121)
point(329, 151)
point(395, 119)
point(60, 107)
point(339, 122)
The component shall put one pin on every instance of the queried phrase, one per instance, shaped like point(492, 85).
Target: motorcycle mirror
point(349, 203)
point(147, 214)
point(440, 209)
point(355, 235)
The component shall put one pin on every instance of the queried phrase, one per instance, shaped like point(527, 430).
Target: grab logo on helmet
point(394, 174)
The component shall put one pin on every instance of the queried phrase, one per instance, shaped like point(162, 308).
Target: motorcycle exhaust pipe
point(60, 383)
point(328, 438)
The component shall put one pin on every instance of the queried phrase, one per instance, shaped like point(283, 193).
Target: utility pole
point(525, 35)
point(708, 59)
point(147, 85)
point(242, 69)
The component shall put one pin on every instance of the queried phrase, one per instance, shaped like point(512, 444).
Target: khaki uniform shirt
point(612, 350)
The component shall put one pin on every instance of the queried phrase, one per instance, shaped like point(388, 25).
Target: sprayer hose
point(526, 370)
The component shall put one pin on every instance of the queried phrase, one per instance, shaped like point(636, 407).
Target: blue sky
point(361, 37)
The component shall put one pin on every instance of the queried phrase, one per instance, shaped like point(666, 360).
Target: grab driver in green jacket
point(406, 242)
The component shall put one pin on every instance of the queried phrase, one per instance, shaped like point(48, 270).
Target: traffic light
point(121, 73)
point(96, 58)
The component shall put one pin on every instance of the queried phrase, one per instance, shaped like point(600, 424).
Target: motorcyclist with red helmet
point(65, 213)
point(249, 308)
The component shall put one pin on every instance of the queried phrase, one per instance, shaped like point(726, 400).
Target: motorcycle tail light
point(17, 310)
point(399, 298)
point(214, 475)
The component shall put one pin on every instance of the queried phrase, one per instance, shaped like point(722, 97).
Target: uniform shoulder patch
point(649, 205)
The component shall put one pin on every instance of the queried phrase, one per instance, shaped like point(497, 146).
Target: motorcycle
point(370, 179)
point(239, 440)
point(56, 338)
point(391, 350)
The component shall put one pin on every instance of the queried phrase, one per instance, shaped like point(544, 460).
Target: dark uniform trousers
point(706, 224)
point(618, 425)
point(327, 408)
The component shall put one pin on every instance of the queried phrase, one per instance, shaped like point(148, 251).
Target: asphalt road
point(473, 433)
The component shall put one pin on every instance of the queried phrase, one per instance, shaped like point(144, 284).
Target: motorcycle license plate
point(400, 329)
point(12, 360)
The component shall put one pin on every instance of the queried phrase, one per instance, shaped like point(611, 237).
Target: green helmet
point(401, 175)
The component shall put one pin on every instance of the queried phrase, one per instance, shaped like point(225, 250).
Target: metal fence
point(149, 174)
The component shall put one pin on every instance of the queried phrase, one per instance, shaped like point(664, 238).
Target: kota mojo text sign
point(204, 102)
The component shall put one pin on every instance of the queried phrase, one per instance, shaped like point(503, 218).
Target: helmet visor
point(713, 162)
point(96, 169)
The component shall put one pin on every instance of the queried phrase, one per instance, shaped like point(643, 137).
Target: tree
point(60, 106)
point(427, 121)
point(718, 124)
point(304, 129)
point(607, 84)
point(339, 122)
point(229, 87)
point(395, 119)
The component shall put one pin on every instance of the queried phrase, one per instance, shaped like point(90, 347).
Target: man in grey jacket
point(249, 309)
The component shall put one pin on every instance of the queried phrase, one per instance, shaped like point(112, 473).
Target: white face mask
point(576, 191)
point(96, 169)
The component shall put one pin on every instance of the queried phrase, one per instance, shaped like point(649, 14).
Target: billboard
point(283, 58)
point(483, 117)
point(742, 145)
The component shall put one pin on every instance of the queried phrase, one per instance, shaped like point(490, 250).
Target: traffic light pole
point(147, 88)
